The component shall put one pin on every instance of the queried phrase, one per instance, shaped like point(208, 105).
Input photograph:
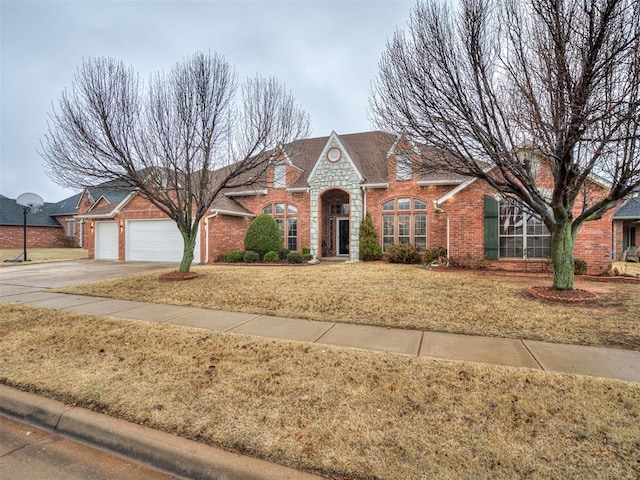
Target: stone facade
point(340, 174)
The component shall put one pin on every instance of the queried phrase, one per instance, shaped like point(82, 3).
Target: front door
point(342, 240)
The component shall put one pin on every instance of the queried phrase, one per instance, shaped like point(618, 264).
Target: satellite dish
point(30, 200)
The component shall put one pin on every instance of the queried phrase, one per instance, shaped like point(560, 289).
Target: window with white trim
point(404, 169)
point(521, 233)
point(404, 220)
point(279, 175)
point(286, 216)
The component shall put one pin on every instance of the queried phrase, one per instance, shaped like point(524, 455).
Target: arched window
point(286, 216)
point(404, 220)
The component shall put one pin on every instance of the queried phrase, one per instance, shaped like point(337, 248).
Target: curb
point(161, 450)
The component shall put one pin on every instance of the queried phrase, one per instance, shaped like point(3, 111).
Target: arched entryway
point(335, 228)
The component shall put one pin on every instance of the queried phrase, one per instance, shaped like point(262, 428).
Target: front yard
point(402, 296)
point(346, 414)
point(41, 255)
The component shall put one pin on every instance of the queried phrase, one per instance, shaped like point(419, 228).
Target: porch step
point(334, 259)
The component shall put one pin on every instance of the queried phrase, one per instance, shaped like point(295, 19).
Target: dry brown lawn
point(338, 412)
point(41, 255)
point(399, 296)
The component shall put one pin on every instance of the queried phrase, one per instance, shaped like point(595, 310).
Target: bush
point(235, 257)
point(251, 257)
point(307, 257)
point(434, 253)
point(306, 250)
point(369, 246)
point(579, 267)
point(282, 253)
point(294, 257)
point(263, 235)
point(402, 253)
point(270, 257)
point(221, 258)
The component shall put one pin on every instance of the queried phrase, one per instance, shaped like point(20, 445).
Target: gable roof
point(13, 214)
point(630, 210)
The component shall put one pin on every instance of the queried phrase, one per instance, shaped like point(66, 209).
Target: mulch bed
point(565, 296)
point(177, 276)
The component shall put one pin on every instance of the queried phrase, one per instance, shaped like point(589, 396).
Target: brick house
point(319, 191)
point(53, 226)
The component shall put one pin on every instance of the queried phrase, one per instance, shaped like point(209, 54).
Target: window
point(522, 234)
point(404, 220)
point(404, 170)
point(70, 228)
point(286, 217)
point(339, 209)
point(279, 175)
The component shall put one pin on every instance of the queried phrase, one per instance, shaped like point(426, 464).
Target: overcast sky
point(325, 52)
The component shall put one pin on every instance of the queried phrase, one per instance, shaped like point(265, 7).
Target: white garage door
point(107, 240)
point(155, 241)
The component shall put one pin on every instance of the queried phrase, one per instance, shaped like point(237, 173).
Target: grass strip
point(339, 412)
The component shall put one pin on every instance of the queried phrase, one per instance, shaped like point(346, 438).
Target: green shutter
point(490, 228)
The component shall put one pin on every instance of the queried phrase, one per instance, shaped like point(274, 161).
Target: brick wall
point(226, 235)
point(12, 236)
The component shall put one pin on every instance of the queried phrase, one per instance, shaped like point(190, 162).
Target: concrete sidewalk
point(594, 361)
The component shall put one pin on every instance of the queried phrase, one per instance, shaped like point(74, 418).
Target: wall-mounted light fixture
point(121, 226)
point(91, 225)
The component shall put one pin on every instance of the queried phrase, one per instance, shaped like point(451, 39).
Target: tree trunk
point(562, 242)
point(187, 254)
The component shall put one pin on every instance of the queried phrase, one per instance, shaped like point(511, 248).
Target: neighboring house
point(319, 191)
point(44, 228)
point(626, 227)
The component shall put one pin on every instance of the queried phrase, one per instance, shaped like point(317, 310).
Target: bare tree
point(179, 142)
point(503, 78)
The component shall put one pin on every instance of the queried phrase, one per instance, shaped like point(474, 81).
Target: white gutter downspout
point(207, 235)
point(81, 233)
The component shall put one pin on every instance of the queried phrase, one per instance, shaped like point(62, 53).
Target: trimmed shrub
point(579, 267)
point(306, 250)
point(235, 257)
point(434, 253)
point(263, 235)
point(307, 257)
point(270, 257)
point(402, 253)
point(294, 257)
point(282, 253)
point(221, 258)
point(251, 257)
point(369, 247)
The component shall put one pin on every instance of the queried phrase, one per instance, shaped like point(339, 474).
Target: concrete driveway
point(61, 274)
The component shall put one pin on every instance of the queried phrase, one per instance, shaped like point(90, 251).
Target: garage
point(155, 241)
point(106, 241)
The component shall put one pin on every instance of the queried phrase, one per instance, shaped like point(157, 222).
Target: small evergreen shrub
point(369, 247)
point(251, 257)
point(235, 257)
point(307, 257)
point(579, 267)
point(282, 253)
point(434, 253)
point(402, 253)
point(294, 257)
point(221, 258)
point(306, 250)
point(270, 257)
point(263, 235)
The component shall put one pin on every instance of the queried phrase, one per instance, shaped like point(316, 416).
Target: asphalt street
point(30, 453)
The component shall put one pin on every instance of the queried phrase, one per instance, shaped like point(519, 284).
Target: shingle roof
point(12, 214)
point(68, 206)
point(629, 210)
